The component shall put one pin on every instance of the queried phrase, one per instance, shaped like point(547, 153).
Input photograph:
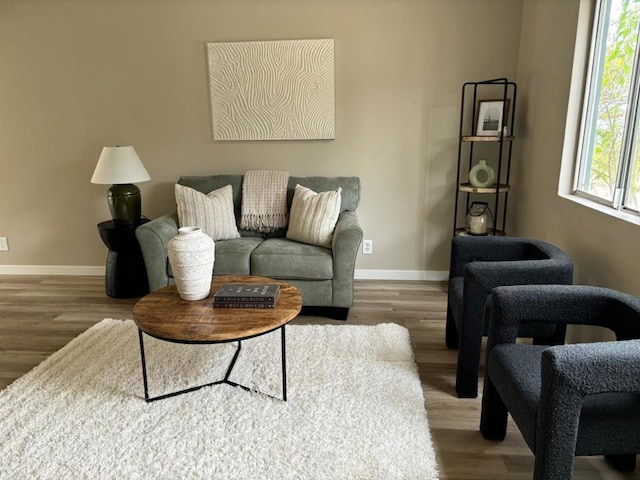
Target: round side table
point(125, 275)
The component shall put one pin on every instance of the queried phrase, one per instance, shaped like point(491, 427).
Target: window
point(608, 169)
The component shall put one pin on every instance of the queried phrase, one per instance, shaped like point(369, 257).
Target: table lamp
point(121, 166)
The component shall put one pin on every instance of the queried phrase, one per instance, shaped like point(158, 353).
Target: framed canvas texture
point(272, 90)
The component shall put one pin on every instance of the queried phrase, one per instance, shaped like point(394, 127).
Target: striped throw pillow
point(313, 216)
point(212, 212)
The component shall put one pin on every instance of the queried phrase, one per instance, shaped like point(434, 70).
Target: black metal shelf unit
point(497, 148)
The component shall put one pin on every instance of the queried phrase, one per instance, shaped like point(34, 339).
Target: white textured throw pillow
point(212, 212)
point(313, 216)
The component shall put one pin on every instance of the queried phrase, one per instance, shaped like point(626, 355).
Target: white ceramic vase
point(191, 255)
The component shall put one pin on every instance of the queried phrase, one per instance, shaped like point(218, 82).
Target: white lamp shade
point(118, 165)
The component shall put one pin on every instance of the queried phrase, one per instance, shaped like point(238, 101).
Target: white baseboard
point(50, 270)
point(430, 275)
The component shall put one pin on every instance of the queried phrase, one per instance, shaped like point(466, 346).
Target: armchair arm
point(153, 238)
point(347, 237)
point(569, 373)
point(591, 368)
point(480, 278)
point(489, 275)
point(466, 251)
point(488, 248)
point(512, 306)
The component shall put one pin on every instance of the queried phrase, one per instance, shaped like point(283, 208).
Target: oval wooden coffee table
point(164, 315)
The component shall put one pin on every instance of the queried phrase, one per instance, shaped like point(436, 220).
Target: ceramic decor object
point(481, 169)
point(191, 255)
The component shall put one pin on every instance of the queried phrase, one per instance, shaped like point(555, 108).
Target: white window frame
point(584, 76)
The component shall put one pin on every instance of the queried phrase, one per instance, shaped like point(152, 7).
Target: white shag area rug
point(355, 409)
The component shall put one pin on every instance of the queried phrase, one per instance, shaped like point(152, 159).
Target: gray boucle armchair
point(479, 264)
point(567, 400)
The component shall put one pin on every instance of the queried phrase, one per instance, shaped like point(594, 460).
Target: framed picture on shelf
point(492, 116)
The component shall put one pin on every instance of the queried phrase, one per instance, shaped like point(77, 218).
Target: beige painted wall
point(604, 249)
point(76, 75)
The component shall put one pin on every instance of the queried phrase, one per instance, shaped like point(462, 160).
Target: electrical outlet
point(4, 244)
point(367, 247)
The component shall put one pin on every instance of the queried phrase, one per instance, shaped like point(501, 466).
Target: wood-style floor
point(40, 314)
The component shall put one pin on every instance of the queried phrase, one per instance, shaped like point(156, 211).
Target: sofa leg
point(334, 313)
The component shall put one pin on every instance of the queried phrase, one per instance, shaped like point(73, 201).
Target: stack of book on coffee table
point(245, 295)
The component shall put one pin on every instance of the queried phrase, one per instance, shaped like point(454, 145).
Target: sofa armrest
point(347, 237)
point(153, 238)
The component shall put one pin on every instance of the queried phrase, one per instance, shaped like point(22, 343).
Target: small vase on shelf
point(482, 168)
point(191, 255)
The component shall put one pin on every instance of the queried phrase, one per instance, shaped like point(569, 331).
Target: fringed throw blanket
point(264, 200)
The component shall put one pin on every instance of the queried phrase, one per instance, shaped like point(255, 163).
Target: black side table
point(126, 275)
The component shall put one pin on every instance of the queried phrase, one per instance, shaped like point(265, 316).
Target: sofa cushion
point(208, 183)
point(233, 257)
point(212, 212)
point(350, 195)
point(313, 216)
point(285, 259)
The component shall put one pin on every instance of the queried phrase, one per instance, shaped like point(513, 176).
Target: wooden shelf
point(467, 187)
point(486, 138)
point(462, 232)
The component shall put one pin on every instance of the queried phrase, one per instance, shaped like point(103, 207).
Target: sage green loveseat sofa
point(324, 276)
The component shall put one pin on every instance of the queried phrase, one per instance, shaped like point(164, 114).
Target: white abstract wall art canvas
point(272, 90)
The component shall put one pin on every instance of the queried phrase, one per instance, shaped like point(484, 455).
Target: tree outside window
point(609, 160)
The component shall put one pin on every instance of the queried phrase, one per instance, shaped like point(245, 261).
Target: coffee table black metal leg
point(284, 371)
point(144, 366)
point(226, 376)
point(233, 363)
point(173, 394)
point(284, 365)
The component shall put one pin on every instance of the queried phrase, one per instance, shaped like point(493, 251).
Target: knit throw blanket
point(264, 200)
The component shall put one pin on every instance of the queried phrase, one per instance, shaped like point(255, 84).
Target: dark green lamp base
point(125, 204)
